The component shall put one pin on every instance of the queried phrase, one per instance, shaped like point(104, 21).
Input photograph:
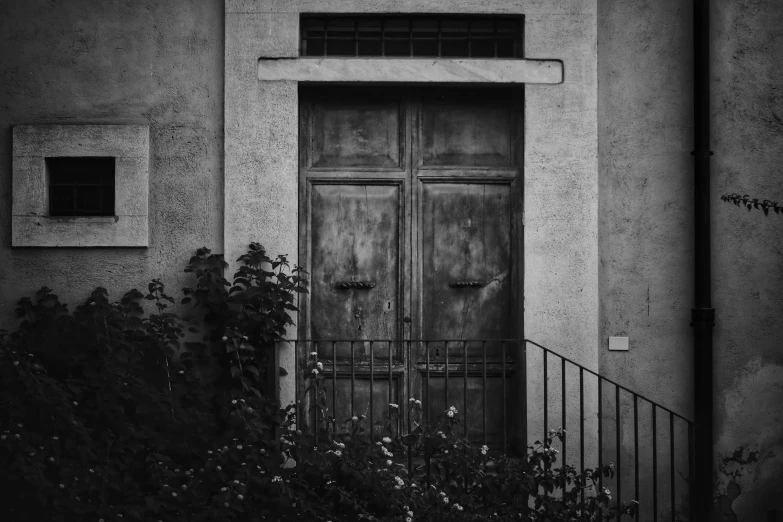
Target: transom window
point(412, 36)
point(81, 186)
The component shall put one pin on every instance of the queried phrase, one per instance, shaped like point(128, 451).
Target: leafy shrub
point(121, 411)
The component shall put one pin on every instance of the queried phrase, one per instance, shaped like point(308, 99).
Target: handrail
point(609, 419)
point(527, 341)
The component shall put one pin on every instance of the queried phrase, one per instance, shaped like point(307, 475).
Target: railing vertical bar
point(334, 387)
point(618, 442)
point(465, 388)
point(505, 413)
point(563, 412)
point(582, 427)
point(427, 349)
point(671, 462)
point(484, 392)
point(391, 434)
point(655, 463)
point(600, 434)
point(372, 386)
point(408, 407)
point(446, 376)
point(315, 400)
point(636, 448)
point(546, 399)
point(353, 383)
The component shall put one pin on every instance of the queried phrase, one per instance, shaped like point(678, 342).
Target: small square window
point(81, 186)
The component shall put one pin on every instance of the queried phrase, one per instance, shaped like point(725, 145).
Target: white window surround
point(31, 225)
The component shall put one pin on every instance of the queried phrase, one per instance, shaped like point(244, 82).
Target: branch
point(751, 203)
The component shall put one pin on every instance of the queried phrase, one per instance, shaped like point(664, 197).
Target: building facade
point(572, 150)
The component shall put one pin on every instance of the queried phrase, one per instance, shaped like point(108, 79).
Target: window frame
point(32, 225)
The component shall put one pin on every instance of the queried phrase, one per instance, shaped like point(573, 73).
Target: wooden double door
point(410, 226)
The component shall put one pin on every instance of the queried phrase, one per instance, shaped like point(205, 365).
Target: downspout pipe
point(702, 314)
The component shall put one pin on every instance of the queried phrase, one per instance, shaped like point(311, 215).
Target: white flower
point(236, 482)
point(354, 418)
point(239, 447)
point(234, 401)
point(394, 405)
point(315, 371)
point(399, 481)
point(225, 338)
point(277, 479)
point(240, 497)
point(339, 444)
point(387, 440)
point(418, 402)
point(445, 500)
point(459, 508)
point(173, 493)
point(450, 413)
point(408, 519)
point(320, 365)
point(410, 513)
point(338, 453)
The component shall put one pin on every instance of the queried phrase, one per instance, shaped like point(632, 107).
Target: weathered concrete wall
point(645, 226)
point(747, 90)
point(121, 61)
point(646, 231)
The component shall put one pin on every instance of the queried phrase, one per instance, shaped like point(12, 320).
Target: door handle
point(357, 285)
point(466, 284)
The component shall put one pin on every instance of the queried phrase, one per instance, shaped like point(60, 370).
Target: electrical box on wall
point(618, 344)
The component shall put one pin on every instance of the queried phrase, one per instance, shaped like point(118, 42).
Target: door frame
point(409, 251)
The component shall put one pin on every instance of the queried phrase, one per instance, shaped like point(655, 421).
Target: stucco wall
point(142, 62)
point(747, 88)
point(646, 230)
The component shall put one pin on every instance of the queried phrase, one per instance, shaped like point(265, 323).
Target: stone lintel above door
point(411, 70)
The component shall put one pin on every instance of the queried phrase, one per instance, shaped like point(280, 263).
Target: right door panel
point(466, 255)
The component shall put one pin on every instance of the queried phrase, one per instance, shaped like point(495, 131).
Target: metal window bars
point(437, 372)
point(412, 36)
point(81, 186)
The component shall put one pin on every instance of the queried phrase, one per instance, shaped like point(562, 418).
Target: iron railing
point(650, 445)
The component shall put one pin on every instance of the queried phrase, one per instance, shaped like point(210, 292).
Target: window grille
point(81, 186)
point(412, 36)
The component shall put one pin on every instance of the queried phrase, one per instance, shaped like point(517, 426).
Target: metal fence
point(509, 393)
